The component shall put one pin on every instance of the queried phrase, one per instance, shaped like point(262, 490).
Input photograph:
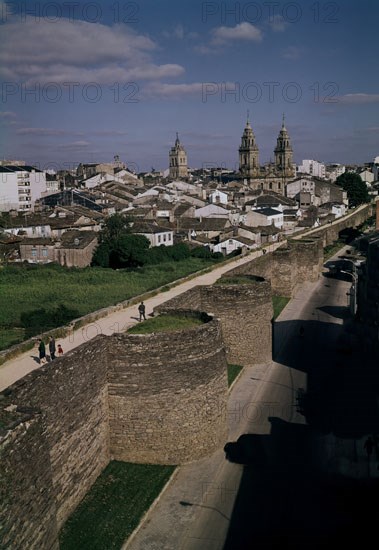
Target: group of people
point(52, 350)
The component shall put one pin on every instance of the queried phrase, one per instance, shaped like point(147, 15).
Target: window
point(169, 237)
point(34, 252)
point(44, 252)
point(164, 237)
point(159, 238)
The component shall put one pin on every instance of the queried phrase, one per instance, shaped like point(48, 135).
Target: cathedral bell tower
point(283, 153)
point(248, 153)
point(178, 161)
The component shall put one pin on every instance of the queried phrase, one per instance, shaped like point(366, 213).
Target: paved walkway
point(118, 321)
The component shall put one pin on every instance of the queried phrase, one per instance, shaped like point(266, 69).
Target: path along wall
point(245, 312)
point(157, 398)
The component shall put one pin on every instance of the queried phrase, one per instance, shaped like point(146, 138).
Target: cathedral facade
point(272, 176)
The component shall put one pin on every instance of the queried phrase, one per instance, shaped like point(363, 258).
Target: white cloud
point(292, 53)
point(359, 98)
point(7, 114)
point(41, 132)
point(160, 89)
point(278, 23)
point(63, 51)
point(180, 33)
point(243, 31)
point(202, 90)
point(76, 145)
point(109, 133)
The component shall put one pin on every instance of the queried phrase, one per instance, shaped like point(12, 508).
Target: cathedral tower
point(178, 161)
point(248, 153)
point(283, 153)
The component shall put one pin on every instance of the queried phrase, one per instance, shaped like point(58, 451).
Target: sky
point(84, 81)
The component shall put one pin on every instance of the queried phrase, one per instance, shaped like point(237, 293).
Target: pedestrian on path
point(41, 352)
point(60, 350)
point(141, 311)
point(52, 348)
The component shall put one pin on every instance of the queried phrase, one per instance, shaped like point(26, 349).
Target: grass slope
point(114, 506)
point(26, 289)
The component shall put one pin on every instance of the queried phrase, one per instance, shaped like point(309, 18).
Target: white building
point(218, 197)
point(312, 167)
point(264, 216)
point(230, 245)
point(211, 211)
point(20, 187)
point(335, 170)
point(300, 185)
point(156, 234)
point(367, 176)
point(376, 168)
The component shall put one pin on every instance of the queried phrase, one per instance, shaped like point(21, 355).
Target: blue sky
point(83, 81)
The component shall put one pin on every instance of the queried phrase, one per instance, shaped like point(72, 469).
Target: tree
point(115, 227)
point(101, 255)
point(118, 247)
point(356, 189)
point(129, 251)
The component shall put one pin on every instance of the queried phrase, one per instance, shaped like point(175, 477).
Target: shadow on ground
point(285, 499)
point(298, 489)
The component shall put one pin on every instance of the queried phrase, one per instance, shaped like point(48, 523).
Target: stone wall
point(308, 257)
point(329, 233)
point(245, 311)
point(167, 394)
point(71, 394)
point(157, 398)
point(27, 497)
point(288, 266)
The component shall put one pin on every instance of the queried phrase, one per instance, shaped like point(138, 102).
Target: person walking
point(141, 310)
point(41, 351)
point(60, 350)
point(52, 347)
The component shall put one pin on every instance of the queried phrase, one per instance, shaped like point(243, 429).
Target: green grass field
point(279, 303)
point(30, 295)
point(237, 280)
point(114, 506)
point(233, 372)
point(165, 323)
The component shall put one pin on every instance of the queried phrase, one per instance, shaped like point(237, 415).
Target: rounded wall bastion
point(244, 306)
point(167, 393)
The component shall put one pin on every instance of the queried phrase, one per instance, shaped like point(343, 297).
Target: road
point(290, 481)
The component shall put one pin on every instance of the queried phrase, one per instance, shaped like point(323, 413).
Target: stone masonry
point(167, 395)
point(157, 398)
point(245, 312)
